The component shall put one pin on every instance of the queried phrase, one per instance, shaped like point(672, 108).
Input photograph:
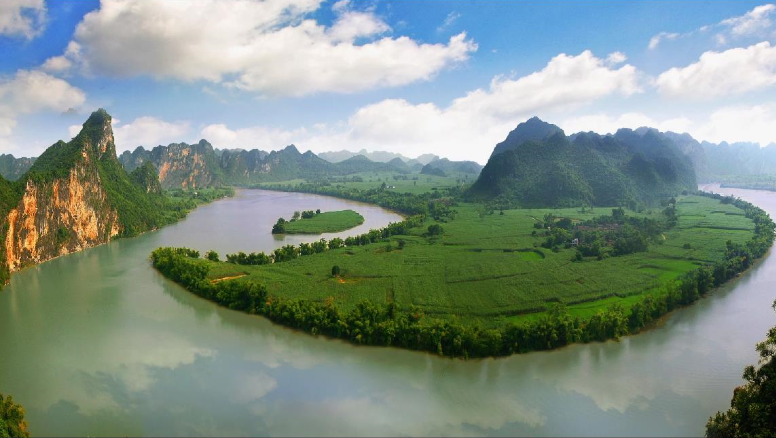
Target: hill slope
point(626, 168)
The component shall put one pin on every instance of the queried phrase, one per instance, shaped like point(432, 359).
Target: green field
point(489, 268)
point(325, 222)
point(414, 183)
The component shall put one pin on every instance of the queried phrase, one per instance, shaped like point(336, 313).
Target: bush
point(212, 256)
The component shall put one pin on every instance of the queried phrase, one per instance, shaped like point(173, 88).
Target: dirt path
point(218, 280)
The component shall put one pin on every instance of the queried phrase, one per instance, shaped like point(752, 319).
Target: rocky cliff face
point(64, 206)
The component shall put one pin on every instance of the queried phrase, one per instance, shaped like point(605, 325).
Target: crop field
point(414, 183)
point(325, 222)
point(489, 268)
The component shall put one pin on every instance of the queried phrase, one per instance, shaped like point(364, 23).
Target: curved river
point(98, 343)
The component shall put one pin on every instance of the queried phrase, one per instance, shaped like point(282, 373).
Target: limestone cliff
point(76, 195)
point(58, 217)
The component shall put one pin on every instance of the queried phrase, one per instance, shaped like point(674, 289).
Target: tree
point(295, 216)
point(335, 271)
point(12, 422)
point(435, 230)
point(212, 256)
point(753, 408)
point(279, 227)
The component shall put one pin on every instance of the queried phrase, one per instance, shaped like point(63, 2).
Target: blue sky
point(446, 77)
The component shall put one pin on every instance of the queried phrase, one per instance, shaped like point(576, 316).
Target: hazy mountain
point(377, 156)
point(444, 166)
point(12, 168)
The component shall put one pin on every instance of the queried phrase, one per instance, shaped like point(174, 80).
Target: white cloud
point(753, 23)
point(566, 81)
point(739, 123)
point(716, 74)
point(31, 91)
point(451, 18)
point(266, 47)
point(148, 132)
point(732, 124)
point(251, 138)
point(25, 18)
point(615, 58)
point(466, 129)
point(655, 40)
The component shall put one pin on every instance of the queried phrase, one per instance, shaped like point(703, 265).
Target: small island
point(317, 222)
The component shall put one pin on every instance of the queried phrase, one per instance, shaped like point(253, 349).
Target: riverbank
point(138, 355)
point(356, 305)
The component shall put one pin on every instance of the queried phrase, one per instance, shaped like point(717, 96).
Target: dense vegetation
point(752, 411)
point(12, 422)
point(315, 222)
point(587, 169)
point(367, 310)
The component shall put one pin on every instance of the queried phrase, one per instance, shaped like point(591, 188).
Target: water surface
point(98, 343)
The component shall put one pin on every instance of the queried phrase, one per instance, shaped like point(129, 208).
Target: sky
point(450, 78)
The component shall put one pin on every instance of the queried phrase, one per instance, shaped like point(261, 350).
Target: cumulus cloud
point(268, 47)
point(148, 132)
point(468, 128)
point(22, 18)
point(716, 74)
point(30, 91)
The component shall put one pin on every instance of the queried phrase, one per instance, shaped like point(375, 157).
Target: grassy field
point(414, 183)
point(325, 222)
point(489, 268)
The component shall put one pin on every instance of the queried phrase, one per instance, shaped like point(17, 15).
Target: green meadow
point(490, 268)
point(325, 222)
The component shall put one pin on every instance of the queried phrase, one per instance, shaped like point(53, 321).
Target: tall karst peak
point(97, 132)
point(532, 129)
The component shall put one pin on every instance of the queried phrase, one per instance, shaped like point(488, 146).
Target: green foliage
point(335, 271)
point(12, 422)
point(318, 223)
point(280, 226)
point(212, 256)
point(752, 410)
point(62, 236)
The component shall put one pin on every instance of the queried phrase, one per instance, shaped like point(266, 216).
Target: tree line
point(290, 252)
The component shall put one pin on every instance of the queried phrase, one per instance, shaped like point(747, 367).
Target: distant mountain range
point(378, 156)
point(200, 164)
point(537, 165)
point(182, 165)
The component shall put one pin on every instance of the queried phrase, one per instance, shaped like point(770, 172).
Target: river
point(98, 343)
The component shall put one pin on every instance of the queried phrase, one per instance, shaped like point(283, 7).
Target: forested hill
point(187, 166)
point(627, 168)
point(76, 195)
